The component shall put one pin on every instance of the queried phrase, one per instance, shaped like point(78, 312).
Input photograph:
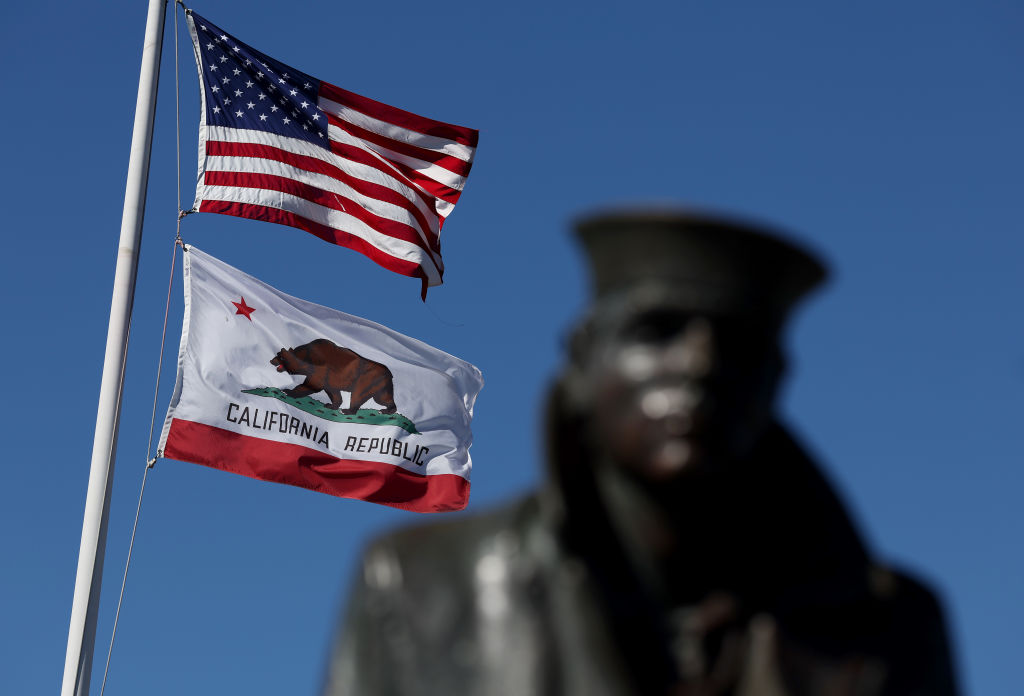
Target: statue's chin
point(672, 458)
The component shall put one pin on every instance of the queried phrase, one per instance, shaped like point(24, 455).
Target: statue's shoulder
point(916, 633)
point(905, 592)
point(461, 528)
point(453, 547)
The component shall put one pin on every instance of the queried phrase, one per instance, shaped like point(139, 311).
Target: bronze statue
point(683, 544)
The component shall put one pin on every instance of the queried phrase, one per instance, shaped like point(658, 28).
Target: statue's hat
point(701, 261)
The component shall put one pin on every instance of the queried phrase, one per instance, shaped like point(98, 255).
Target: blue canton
point(248, 89)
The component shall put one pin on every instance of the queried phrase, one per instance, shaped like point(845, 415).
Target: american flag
point(276, 144)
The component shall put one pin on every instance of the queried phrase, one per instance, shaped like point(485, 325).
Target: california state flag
point(279, 389)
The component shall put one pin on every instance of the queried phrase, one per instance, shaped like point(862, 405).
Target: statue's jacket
point(534, 598)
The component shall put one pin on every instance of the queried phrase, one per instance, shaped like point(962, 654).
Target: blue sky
point(887, 136)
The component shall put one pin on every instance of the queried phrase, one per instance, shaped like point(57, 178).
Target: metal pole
point(84, 609)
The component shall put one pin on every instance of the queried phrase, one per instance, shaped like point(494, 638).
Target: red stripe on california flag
point(295, 465)
point(328, 234)
point(370, 189)
point(400, 117)
point(318, 196)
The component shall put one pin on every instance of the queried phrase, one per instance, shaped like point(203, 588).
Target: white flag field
point(279, 389)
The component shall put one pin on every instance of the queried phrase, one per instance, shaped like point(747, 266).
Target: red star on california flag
point(244, 309)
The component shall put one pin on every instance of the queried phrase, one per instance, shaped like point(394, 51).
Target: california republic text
point(279, 421)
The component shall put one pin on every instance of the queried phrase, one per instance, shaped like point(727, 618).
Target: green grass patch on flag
point(366, 416)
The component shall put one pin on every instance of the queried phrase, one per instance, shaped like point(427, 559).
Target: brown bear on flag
point(332, 369)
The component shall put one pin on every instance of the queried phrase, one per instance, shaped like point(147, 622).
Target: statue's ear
point(580, 341)
point(565, 427)
point(779, 366)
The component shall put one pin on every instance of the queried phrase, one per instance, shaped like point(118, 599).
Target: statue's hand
point(774, 667)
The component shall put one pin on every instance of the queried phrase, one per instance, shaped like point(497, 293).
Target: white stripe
point(388, 211)
point(301, 147)
point(428, 169)
point(329, 217)
point(203, 130)
point(255, 165)
point(390, 130)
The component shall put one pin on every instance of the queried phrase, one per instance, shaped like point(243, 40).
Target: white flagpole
point(84, 609)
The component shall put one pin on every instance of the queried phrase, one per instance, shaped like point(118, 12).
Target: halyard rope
point(151, 461)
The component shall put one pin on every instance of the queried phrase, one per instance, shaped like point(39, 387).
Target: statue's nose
point(682, 394)
point(692, 353)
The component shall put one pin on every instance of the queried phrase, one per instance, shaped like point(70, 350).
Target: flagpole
point(85, 606)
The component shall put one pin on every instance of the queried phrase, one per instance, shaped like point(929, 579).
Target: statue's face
point(675, 392)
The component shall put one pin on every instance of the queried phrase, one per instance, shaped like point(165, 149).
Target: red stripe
point(416, 179)
point(294, 465)
point(313, 194)
point(435, 188)
point(363, 155)
point(399, 117)
point(420, 182)
point(318, 166)
point(452, 164)
point(328, 234)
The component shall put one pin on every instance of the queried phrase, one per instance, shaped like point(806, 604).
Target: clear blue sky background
point(885, 135)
